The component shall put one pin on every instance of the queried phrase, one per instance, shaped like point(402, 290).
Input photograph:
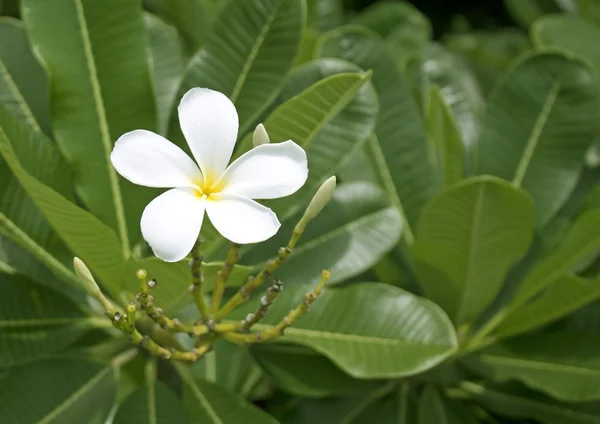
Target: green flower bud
point(260, 136)
point(318, 202)
point(85, 276)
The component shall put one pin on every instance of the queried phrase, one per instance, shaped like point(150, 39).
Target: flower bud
point(85, 276)
point(318, 202)
point(260, 136)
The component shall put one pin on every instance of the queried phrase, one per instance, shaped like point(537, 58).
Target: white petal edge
point(209, 122)
point(241, 220)
point(268, 171)
point(171, 223)
point(147, 159)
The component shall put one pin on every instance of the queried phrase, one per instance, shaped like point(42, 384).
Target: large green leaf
point(83, 233)
point(404, 161)
point(521, 404)
point(351, 234)
point(23, 85)
point(434, 409)
point(58, 391)
point(35, 321)
point(445, 137)
point(210, 403)
point(95, 54)
point(537, 127)
point(468, 238)
point(567, 32)
point(369, 330)
point(166, 53)
point(564, 296)
point(564, 365)
point(248, 55)
point(155, 403)
point(526, 12)
point(304, 372)
point(193, 18)
point(581, 243)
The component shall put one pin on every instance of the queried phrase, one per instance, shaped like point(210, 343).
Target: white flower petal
point(268, 171)
point(150, 160)
point(171, 223)
point(240, 219)
point(209, 123)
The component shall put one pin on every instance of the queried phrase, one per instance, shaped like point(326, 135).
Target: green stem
point(223, 276)
point(198, 280)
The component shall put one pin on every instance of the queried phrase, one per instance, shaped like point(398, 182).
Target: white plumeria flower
point(171, 222)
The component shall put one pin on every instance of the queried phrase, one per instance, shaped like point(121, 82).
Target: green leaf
point(20, 218)
point(193, 18)
point(369, 330)
point(348, 237)
point(304, 372)
point(581, 243)
point(58, 391)
point(100, 89)
point(564, 296)
point(431, 407)
point(564, 365)
point(468, 238)
point(155, 403)
point(526, 12)
point(231, 367)
point(522, 404)
point(210, 403)
point(401, 151)
point(174, 279)
point(537, 127)
point(567, 32)
point(23, 85)
point(248, 55)
point(323, 15)
point(35, 321)
point(95, 243)
point(166, 54)
point(445, 136)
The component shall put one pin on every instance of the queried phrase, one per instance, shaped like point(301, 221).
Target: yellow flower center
point(207, 186)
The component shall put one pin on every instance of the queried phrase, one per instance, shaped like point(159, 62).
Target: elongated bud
point(260, 136)
point(318, 202)
point(85, 276)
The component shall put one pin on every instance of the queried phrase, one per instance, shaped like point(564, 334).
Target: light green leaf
point(155, 403)
point(468, 238)
point(174, 279)
point(521, 404)
point(567, 32)
point(231, 367)
point(193, 18)
point(95, 243)
point(35, 321)
point(369, 330)
point(564, 296)
point(323, 15)
point(23, 85)
point(64, 390)
point(401, 149)
point(210, 403)
point(348, 237)
point(537, 127)
point(581, 243)
point(100, 89)
point(304, 372)
point(445, 136)
point(564, 365)
point(248, 55)
point(166, 54)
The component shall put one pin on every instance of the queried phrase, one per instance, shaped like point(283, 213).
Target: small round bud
point(141, 273)
point(152, 283)
point(260, 136)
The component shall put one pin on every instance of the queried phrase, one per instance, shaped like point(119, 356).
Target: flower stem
point(265, 303)
point(277, 330)
point(223, 276)
point(197, 288)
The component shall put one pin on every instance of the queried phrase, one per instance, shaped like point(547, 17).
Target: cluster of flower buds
point(213, 323)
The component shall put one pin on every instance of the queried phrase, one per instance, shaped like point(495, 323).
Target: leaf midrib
point(103, 127)
point(536, 133)
point(68, 402)
point(541, 365)
point(19, 97)
point(41, 322)
point(184, 374)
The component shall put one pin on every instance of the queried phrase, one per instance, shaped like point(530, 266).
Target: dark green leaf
point(155, 403)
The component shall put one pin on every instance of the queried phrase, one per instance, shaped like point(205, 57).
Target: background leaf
point(155, 403)
point(467, 240)
point(537, 127)
point(369, 330)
